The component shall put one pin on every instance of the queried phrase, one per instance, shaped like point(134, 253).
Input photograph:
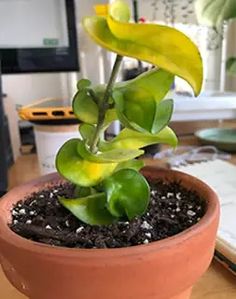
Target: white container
point(49, 139)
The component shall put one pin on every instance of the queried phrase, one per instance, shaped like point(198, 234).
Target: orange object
point(165, 269)
point(101, 9)
point(47, 109)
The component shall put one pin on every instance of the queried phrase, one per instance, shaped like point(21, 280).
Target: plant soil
point(41, 218)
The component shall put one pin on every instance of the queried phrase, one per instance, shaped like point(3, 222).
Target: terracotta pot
point(165, 269)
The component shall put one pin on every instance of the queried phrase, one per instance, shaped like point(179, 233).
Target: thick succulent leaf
point(156, 82)
point(83, 84)
point(87, 132)
point(79, 171)
point(215, 12)
point(137, 100)
point(162, 46)
point(85, 108)
point(163, 115)
point(113, 156)
point(127, 193)
point(91, 209)
point(83, 191)
point(129, 139)
point(132, 164)
point(119, 10)
point(135, 108)
point(231, 65)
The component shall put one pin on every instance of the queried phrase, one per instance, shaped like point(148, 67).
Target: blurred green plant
point(215, 13)
point(108, 183)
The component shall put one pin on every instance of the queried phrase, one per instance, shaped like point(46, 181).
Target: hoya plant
point(109, 186)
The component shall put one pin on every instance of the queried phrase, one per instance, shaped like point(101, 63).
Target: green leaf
point(231, 65)
point(87, 132)
point(135, 108)
point(83, 84)
point(113, 156)
point(79, 171)
point(127, 193)
point(85, 108)
point(120, 11)
point(137, 100)
point(110, 116)
point(163, 115)
point(160, 45)
point(129, 139)
point(91, 209)
point(83, 191)
point(156, 82)
point(215, 12)
point(132, 164)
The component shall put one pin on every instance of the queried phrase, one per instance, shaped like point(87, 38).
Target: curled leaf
point(113, 156)
point(87, 132)
point(91, 209)
point(130, 139)
point(160, 45)
point(79, 171)
point(127, 193)
point(163, 115)
point(120, 11)
point(83, 84)
point(85, 109)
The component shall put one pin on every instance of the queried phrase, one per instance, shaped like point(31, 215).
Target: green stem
point(103, 106)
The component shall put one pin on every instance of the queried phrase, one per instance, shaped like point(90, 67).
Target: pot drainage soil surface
point(41, 218)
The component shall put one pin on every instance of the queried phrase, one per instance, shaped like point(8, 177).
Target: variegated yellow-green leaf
point(119, 10)
point(162, 46)
point(129, 139)
point(113, 156)
point(215, 12)
point(91, 209)
point(79, 171)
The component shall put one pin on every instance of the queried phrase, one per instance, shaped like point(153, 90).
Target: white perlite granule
point(22, 211)
point(148, 235)
point(191, 213)
point(145, 225)
point(79, 230)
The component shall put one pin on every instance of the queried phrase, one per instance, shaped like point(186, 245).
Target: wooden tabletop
point(216, 283)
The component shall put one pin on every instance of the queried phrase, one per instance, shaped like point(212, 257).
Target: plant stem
point(103, 105)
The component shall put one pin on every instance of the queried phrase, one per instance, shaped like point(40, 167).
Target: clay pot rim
point(8, 236)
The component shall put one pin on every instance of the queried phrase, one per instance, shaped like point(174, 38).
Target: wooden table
point(217, 282)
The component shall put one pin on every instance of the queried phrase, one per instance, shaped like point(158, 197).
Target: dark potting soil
point(41, 218)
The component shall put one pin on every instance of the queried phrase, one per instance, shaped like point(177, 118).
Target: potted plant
point(132, 236)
